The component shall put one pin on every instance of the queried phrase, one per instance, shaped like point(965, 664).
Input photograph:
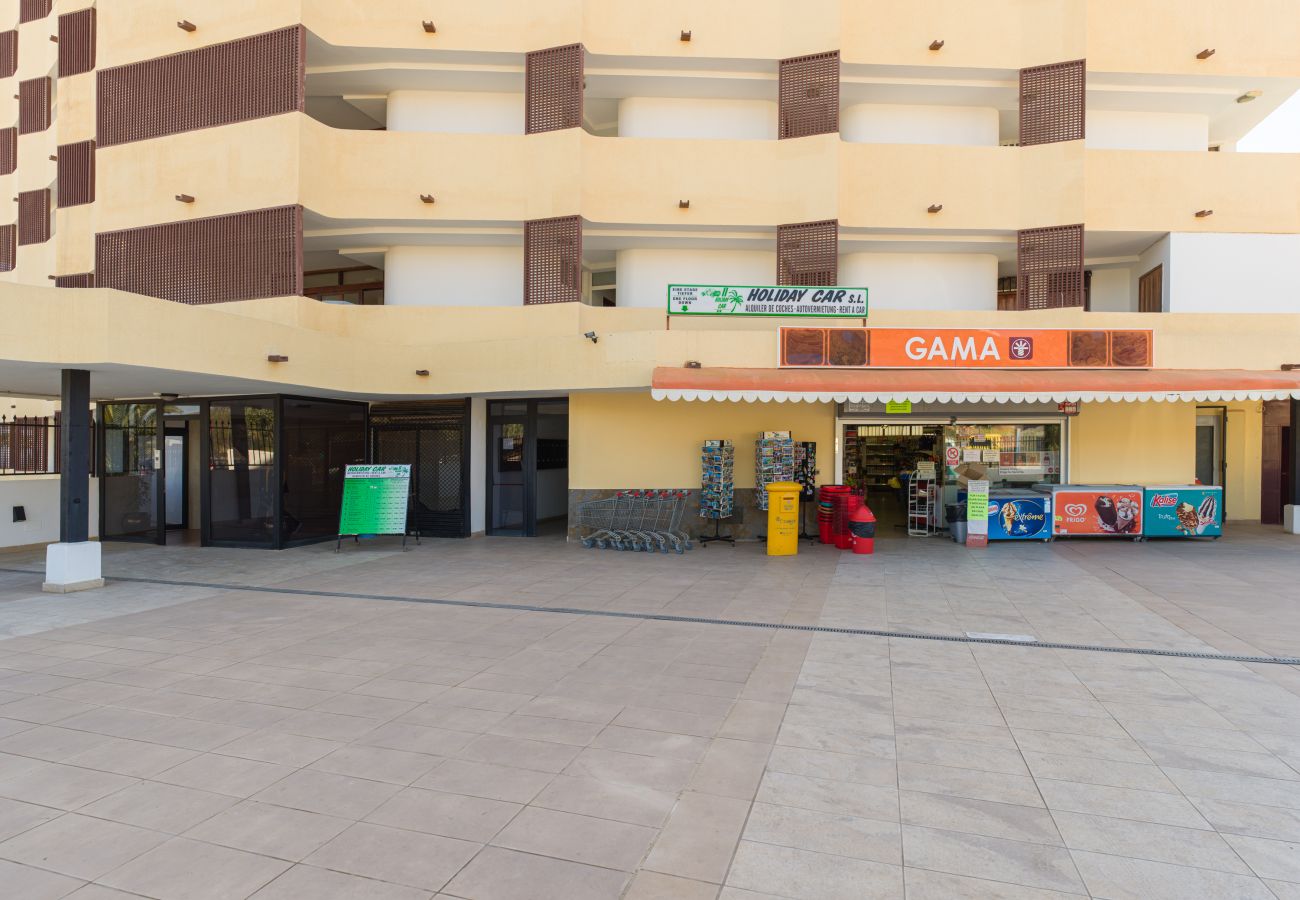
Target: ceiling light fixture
point(1205, 54)
point(429, 27)
point(187, 25)
point(1249, 96)
point(1202, 213)
point(686, 35)
point(683, 204)
point(185, 198)
point(936, 45)
point(276, 357)
point(426, 198)
point(935, 207)
point(423, 373)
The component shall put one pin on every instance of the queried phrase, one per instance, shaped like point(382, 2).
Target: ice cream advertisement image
point(1113, 511)
point(1019, 518)
point(1185, 511)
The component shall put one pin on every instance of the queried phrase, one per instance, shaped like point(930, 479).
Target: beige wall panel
point(381, 175)
point(1252, 37)
point(134, 30)
point(1133, 443)
point(1138, 190)
point(749, 29)
point(254, 165)
point(615, 437)
point(766, 183)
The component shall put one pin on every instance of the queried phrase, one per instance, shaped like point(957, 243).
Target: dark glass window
point(241, 438)
point(320, 439)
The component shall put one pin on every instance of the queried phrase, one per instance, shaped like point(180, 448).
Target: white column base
point(72, 567)
point(1290, 519)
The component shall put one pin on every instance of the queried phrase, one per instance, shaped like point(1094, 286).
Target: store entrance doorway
point(878, 458)
point(528, 467)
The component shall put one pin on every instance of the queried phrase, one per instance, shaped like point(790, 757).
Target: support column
point(73, 564)
point(1291, 459)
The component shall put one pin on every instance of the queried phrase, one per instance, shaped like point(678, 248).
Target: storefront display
point(773, 462)
point(1182, 510)
point(717, 480)
point(1106, 510)
point(1019, 515)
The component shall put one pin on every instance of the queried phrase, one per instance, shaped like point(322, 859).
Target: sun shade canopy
point(971, 386)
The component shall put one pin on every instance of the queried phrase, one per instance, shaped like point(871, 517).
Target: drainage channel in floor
point(973, 638)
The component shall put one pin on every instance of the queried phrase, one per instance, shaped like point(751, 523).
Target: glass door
point(175, 483)
point(131, 500)
point(508, 477)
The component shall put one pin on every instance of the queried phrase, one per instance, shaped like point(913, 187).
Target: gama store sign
point(766, 300)
point(965, 348)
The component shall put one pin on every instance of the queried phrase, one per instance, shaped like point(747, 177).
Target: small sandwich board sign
point(376, 500)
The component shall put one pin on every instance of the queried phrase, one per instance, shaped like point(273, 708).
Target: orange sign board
point(965, 348)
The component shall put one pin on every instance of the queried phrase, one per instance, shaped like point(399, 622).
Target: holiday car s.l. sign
point(830, 302)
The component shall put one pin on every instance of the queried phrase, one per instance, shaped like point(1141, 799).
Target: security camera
point(591, 336)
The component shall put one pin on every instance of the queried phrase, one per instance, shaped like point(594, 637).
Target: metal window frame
point(807, 253)
point(77, 33)
point(76, 174)
point(33, 217)
point(553, 256)
point(31, 10)
point(808, 95)
point(8, 150)
point(1049, 268)
point(554, 83)
point(216, 259)
point(221, 84)
point(8, 53)
point(34, 105)
point(1053, 103)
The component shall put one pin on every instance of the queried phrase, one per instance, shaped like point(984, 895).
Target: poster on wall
point(767, 300)
point(977, 513)
point(375, 500)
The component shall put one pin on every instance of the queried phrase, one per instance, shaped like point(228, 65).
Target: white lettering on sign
point(959, 348)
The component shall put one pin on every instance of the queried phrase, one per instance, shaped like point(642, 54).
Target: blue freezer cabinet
point(1182, 510)
point(1020, 516)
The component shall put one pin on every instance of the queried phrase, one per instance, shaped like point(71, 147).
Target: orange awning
point(970, 385)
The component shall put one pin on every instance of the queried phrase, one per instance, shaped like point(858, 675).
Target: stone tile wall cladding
point(748, 523)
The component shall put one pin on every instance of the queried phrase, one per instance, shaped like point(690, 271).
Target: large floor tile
point(995, 859)
point(804, 875)
point(500, 874)
point(79, 846)
point(183, 869)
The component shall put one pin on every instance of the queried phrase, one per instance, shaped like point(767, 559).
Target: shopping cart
point(636, 520)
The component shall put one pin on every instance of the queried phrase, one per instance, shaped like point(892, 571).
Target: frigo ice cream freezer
point(1095, 510)
point(1182, 510)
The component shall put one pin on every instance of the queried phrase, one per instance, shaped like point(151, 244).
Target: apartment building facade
point(286, 235)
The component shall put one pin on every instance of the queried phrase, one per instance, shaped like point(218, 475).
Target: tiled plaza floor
point(186, 741)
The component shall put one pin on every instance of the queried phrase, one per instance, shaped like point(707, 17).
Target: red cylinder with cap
point(862, 525)
point(843, 535)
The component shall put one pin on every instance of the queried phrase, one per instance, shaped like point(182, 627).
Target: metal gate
point(434, 440)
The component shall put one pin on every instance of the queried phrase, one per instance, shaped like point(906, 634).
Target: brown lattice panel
point(34, 217)
point(8, 53)
point(77, 42)
point(80, 280)
point(76, 178)
point(1053, 103)
point(808, 253)
point(240, 256)
point(553, 260)
point(553, 82)
point(8, 247)
point(808, 91)
point(8, 150)
point(33, 105)
point(244, 79)
point(31, 10)
point(1049, 267)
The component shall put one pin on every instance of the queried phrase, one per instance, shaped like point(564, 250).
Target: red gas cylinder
point(862, 524)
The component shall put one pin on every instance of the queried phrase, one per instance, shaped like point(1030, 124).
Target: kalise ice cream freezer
point(1182, 510)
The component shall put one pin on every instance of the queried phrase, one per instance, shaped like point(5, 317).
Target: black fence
point(29, 445)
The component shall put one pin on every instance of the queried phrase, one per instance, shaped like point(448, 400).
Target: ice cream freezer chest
point(1182, 510)
point(1100, 510)
point(1019, 516)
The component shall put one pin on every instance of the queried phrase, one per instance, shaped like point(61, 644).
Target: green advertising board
point(375, 500)
point(782, 300)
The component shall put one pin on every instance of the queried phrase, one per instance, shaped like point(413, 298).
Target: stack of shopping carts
point(636, 520)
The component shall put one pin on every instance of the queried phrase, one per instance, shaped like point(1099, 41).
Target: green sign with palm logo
point(785, 300)
point(375, 499)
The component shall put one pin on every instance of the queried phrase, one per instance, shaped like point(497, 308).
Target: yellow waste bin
point(783, 518)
